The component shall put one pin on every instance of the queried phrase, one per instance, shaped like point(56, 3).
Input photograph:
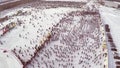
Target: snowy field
point(61, 37)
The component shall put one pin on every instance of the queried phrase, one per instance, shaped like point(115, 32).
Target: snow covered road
point(111, 16)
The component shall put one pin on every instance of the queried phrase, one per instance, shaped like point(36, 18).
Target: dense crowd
point(74, 43)
point(32, 28)
point(57, 39)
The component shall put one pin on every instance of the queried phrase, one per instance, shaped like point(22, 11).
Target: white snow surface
point(9, 60)
point(35, 26)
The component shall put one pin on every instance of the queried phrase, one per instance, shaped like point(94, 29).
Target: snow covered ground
point(72, 36)
point(9, 60)
point(74, 44)
point(35, 25)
